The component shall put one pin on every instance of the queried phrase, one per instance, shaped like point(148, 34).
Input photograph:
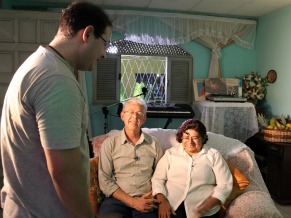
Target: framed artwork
point(271, 76)
point(221, 86)
point(199, 89)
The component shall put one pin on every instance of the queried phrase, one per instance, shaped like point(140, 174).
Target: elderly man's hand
point(145, 203)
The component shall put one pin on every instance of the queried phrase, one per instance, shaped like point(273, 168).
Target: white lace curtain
point(174, 29)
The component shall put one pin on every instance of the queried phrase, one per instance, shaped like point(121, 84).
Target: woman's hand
point(207, 205)
point(165, 209)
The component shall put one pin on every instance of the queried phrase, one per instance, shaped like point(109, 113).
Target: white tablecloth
point(231, 119)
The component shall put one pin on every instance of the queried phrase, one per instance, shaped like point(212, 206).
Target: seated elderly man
point(126, 166)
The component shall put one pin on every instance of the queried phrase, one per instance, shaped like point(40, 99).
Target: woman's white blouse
point(181, 177)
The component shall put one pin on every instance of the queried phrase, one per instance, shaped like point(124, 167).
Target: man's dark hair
point(81, 14)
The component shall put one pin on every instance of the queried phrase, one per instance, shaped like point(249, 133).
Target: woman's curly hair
point(197, 125)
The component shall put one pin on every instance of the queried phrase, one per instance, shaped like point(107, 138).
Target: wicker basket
point(277, 135)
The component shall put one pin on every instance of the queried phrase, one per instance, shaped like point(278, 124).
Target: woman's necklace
point(55, 50)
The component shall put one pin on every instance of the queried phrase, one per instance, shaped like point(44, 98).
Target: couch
point(253, 201)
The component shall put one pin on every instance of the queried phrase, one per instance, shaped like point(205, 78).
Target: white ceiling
point(231, 8)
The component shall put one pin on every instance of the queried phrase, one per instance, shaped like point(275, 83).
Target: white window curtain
point(214, 67)
point(173, 29)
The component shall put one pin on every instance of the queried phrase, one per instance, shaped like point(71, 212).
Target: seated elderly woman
point(192, 179)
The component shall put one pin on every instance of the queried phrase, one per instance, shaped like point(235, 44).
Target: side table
point(274, 160)
point(232, 119)
point(278, 171)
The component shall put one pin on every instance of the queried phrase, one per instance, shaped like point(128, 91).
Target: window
point(138, 72)
point(166, 72)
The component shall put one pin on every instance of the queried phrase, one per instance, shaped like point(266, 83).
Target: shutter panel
point(106, 84)
point(180, 85)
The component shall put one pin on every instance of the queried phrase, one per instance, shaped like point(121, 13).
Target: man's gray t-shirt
point(44, 108)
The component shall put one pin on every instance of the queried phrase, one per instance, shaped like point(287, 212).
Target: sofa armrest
point(95, 193)
point(253, 204)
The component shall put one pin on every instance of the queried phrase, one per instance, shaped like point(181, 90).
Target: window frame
point(179, 80)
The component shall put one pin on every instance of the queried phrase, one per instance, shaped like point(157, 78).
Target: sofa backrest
point(167, 138)
point(233, 150)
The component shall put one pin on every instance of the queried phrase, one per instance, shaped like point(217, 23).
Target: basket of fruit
point(277, 129)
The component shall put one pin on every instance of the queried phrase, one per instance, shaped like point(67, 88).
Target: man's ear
point(89, 30)
point(122, 115)
point(144, 119)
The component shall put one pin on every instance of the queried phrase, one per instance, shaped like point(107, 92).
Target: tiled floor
point(284, 209)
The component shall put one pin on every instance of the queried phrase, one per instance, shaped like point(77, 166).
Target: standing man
point(44, 148)
point(126, 166)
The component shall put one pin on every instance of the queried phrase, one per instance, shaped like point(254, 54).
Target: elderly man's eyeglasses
point(106, 43)
point(131, 113)
point(191, 138)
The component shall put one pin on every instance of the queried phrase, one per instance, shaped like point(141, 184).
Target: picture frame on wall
point(199, 89)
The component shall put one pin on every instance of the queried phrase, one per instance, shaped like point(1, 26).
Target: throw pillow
point(98, 140)
point(240, 183)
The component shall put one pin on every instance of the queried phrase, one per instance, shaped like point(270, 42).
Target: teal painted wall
point(201, 58)
point(273, 51)
point(235, 62)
